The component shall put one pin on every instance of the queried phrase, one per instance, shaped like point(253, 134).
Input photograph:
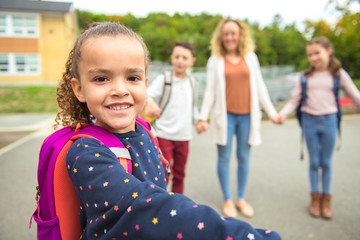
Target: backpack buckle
point(37, 195)
point(167, 169)
point(79, 126)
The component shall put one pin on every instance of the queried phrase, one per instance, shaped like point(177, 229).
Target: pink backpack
point(57, 212)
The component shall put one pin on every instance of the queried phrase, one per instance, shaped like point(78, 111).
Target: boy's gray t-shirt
point(175, 122)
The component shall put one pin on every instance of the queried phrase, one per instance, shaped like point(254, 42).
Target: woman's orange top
point(237, 77)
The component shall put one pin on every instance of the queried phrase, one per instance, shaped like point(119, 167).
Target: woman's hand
point(201, 126)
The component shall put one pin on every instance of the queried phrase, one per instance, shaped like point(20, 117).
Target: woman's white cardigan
point(214, 101)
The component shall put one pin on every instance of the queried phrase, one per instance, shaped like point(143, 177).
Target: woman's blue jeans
point(320, 134)
point(238, 125)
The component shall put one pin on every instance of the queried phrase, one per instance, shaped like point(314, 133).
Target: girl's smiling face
point(112, 81)
point(318, 56)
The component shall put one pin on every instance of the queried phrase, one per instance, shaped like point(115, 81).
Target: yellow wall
point(57, 34)
point(56, 40)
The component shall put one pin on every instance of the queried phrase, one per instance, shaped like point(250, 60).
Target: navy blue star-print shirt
point(117, 205)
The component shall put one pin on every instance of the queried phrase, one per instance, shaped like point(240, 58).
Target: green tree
point(277, 43)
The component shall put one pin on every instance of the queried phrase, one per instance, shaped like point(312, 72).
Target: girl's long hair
point(334, 64)
point(246, 43)
point(71, 110)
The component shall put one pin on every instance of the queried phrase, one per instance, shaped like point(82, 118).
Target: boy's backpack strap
point(165, 97)
point(166, 90)
point(194, 90)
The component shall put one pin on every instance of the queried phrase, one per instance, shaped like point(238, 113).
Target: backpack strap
point(110, 140)
point(165, 97)
point(303, 84)
point(166, 90)
point(194, 90)
point(339, 112)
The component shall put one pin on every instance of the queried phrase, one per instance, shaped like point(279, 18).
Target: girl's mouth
point(119, 107)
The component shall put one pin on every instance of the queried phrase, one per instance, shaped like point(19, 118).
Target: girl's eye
point(100, 79)
point(133, 78)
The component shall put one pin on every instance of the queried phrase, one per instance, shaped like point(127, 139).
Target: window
point(19, 64)
point(4, 63)
point(15, 25)
point(2, 24)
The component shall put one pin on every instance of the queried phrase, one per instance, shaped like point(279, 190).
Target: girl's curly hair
point(334, 64)
point(71, 110)
point(246, 43)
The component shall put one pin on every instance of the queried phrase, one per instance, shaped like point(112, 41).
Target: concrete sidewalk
point(278, 185)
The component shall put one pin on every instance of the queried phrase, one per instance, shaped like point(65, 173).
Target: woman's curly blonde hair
point(71, 110)
point(246, 43)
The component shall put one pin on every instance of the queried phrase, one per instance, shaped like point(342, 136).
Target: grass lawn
point(28, 99)
point(38, 99)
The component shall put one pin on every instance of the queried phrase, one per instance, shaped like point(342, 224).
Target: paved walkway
point(278, 185)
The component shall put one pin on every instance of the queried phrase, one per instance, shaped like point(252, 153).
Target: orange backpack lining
point(65, 197)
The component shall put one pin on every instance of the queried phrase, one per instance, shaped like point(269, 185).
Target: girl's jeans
point(320, 134)
point(238, 124)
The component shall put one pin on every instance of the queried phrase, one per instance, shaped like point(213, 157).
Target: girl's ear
point(76, 87)
point(330, 51)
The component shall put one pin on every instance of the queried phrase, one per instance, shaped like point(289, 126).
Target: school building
point(35, 40)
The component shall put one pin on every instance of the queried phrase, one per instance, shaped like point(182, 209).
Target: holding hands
point(277, 119)
point(201, 126)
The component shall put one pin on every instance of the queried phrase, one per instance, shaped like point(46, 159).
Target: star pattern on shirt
point(151, 173)
point(250, 236)
point(173, 212)
point(201, 225)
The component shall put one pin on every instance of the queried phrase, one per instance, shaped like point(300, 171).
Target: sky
point(260, 11)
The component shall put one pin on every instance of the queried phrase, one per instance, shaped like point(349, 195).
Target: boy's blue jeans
point(239, 125)
point(320, 134)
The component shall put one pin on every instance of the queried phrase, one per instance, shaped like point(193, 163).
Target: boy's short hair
point(186, 45)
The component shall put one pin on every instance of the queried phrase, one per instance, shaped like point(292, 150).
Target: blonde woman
point(234, 91)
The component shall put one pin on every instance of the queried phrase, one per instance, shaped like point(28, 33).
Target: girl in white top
point(319, 118)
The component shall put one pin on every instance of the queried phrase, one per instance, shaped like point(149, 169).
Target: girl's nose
point(119, 88)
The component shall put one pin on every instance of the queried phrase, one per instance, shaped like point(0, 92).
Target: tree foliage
point(277, 43)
